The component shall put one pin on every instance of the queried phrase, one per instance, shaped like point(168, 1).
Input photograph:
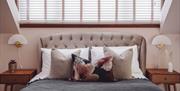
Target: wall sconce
point(18, 40)
point(162, 42)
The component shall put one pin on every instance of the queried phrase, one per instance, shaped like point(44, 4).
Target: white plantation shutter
point(54, 10)
point(143, 10)
point(72, 10)
point(90, 11)
point(156, 10)
point(36, 10)
point(85, 11)
point(125, 10)
point(107, 10)
point(23, 9)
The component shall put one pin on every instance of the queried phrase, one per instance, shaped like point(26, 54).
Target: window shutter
point(156, 10)
point(53, 10)
point(72, 10)
point(23, 9)
point(107, 10)
point(36, 10)
point(125, 10)
point(90, 10)
point(87, 11)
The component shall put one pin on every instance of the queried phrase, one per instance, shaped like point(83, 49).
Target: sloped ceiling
point(8, 17)
point(170, 20)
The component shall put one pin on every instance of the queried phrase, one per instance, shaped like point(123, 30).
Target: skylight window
point(90, 11)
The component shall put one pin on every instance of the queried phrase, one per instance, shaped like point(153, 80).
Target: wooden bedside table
point(20, 76)
point(162, 76)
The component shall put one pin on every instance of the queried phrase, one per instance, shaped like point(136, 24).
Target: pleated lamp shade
point(18, 40)
point(161, 41)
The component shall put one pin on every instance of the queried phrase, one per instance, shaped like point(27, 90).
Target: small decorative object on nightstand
point(20, 76)
point(162, 76)
point(18, 40)
point(12, 66)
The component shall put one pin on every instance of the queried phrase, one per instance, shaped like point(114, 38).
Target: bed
point(80, 40)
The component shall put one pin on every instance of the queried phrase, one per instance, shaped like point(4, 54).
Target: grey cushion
point(61, 66)
point(121, 64)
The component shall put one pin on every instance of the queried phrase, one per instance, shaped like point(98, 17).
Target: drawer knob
point(165, 78)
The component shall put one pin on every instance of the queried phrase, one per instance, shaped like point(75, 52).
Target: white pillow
point(41, 75)
point(98, 52)
point(46, 60)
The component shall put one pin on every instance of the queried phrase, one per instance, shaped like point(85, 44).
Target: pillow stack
point(127, 55)
point(121, 62)
point(106, 64)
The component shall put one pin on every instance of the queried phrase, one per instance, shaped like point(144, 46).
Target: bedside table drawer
point(14, 79)
point(165, 78)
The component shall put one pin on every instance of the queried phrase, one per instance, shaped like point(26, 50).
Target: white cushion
point(46, 61)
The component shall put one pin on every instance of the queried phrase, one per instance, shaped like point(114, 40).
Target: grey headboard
point(78, 40)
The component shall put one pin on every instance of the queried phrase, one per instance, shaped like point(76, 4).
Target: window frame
point(40, 25)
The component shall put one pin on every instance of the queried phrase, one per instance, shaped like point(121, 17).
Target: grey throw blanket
point(60, 85)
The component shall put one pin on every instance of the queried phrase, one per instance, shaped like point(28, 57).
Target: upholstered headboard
point(78, 40)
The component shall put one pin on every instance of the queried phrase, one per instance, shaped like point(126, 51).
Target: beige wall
point(30, 57)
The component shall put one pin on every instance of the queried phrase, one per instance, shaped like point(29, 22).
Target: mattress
point(61, 85)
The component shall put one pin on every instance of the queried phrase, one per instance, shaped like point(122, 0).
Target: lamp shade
point(161, 40)
point(17, 39)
